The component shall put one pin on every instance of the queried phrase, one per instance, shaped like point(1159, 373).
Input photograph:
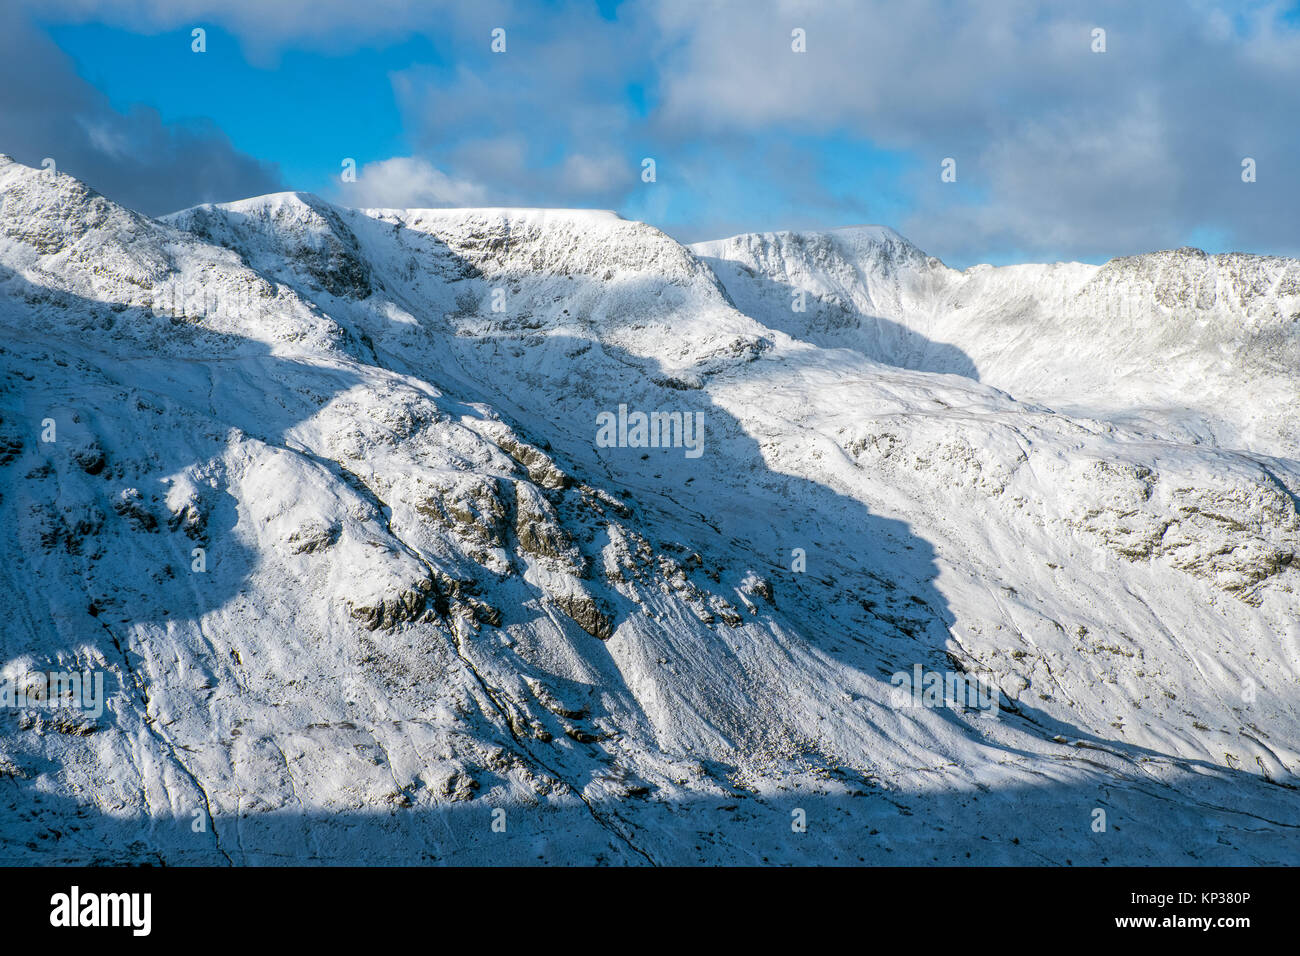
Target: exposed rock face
point(405, 605)
point(586, 613)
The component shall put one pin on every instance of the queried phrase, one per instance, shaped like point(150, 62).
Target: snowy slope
point(1181, 344)
point(430, 592)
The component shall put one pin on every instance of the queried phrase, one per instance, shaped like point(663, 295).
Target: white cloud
point(405, 182)
point(596, 174)
point(1060, 150)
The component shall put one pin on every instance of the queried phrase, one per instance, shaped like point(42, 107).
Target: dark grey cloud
point(47, 110)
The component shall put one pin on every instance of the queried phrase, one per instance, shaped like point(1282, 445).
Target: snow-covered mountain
point(1180, 344)
point(350, 509)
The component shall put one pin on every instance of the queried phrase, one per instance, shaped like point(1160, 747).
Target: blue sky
point(1061, 151)
point(320, 105)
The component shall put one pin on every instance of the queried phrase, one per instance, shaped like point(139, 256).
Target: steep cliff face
point(319, 491)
